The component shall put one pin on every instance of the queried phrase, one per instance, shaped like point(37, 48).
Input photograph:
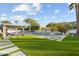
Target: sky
point(44, 13)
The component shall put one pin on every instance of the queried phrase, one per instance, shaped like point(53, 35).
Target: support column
point(16, 31)
point(4, 31)
point(23, 30)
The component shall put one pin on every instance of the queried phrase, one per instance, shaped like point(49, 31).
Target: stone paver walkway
point(7, 47)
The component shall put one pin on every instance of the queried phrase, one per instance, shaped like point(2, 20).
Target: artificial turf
point(34, 46)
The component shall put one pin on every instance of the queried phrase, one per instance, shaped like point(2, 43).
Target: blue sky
point(44, 13)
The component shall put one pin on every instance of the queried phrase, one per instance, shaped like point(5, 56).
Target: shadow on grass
point(4, 55)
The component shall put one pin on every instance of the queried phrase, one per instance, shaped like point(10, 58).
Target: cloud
point(36, 18)
point(3, 18)
point(31, 13)
point(41, 11)
point(25, 7)
point(36, 6)
point(45, 17)
point(57, 11)
point(3, 15)
point(29, 9)
point(18, 17)
point(22, 7)
point(65, 15)
point(53, 17)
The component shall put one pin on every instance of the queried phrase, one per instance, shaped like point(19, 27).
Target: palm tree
point(76, 6)
point(31, 22)
point(28, 20)
point(16, 21)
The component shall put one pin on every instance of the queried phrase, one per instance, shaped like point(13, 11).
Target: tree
point(59, 27)
point(76, 6)
point(28, 20)
point(16, 21)
point(52, 26)
point(33, 24)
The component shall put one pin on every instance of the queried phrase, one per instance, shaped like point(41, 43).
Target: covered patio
point(5, 27)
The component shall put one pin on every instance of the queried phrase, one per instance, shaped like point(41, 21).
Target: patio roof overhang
point(13, 26)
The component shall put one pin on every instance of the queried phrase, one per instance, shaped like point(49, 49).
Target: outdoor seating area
point(39, 30)
point(6, 26)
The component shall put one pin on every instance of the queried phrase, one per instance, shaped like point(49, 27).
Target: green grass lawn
point(1, 38)
point(34, 46)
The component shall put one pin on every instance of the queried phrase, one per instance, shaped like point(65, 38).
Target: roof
point(13, 25)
